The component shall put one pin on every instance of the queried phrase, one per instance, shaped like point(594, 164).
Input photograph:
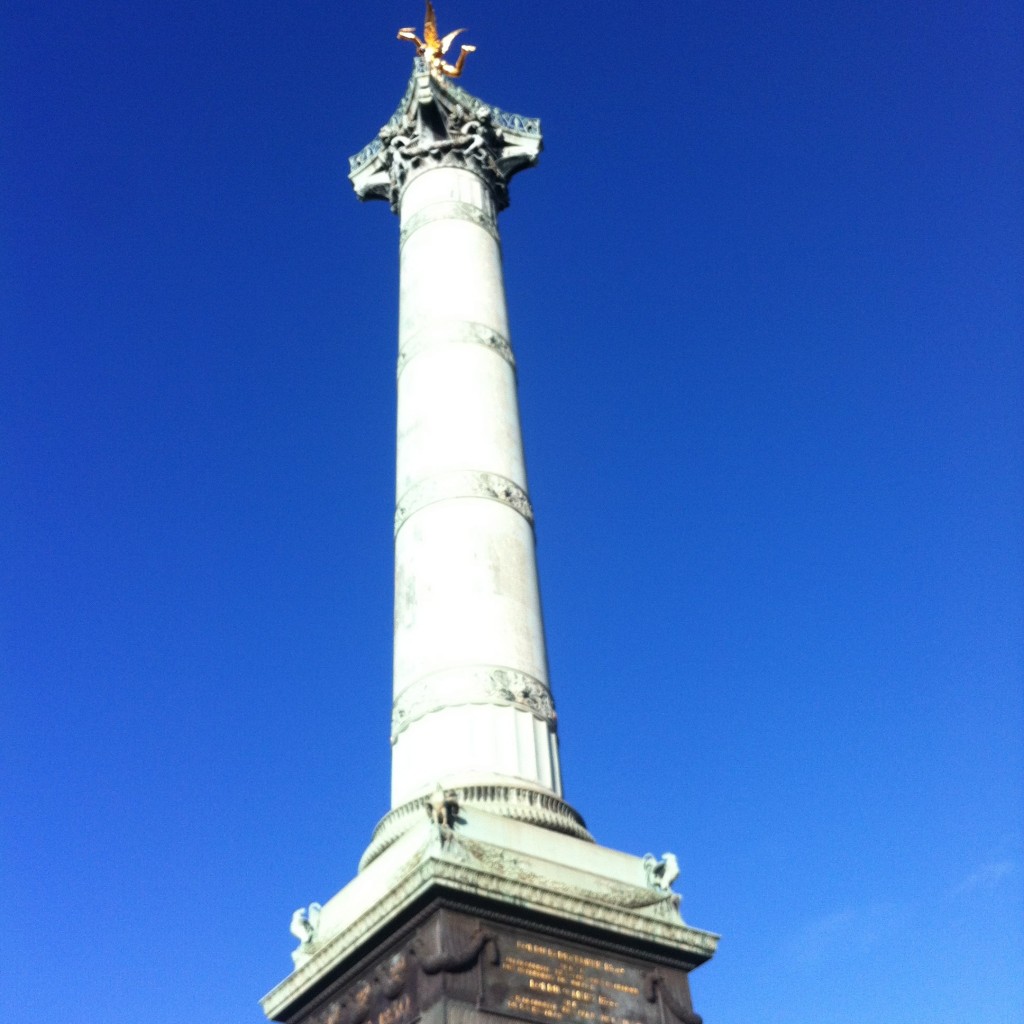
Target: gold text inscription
point(555, 984)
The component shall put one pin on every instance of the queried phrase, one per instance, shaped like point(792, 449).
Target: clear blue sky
point(766, 300)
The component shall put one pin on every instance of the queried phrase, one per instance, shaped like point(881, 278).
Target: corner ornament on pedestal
point(304, 924)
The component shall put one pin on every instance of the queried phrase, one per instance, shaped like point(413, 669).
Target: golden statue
point(433, 47)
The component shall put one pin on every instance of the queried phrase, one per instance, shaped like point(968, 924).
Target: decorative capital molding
point(437, 124)
point(462, 484)
point(474, 684)
point(455, 331)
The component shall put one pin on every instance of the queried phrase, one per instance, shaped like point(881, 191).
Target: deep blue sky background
point(766, 298)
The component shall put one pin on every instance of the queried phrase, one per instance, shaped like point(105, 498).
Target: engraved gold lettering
point(560, 985)
point(544, 986)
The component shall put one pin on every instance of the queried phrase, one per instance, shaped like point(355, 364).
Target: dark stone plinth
point(455, 963)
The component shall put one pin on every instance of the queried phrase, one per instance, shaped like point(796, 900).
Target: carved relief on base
point(550, 977)
point(401, 985)
point(385, 995)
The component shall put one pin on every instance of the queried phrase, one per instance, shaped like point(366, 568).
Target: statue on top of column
point(433, 47)
point(439, 124)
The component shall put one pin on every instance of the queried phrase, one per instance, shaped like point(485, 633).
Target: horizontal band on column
point(462, 484)
point(457, 332)
point(449, 209)
point(472, 684)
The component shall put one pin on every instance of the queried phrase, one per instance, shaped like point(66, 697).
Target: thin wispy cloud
point(989, 876)
point(841, 932)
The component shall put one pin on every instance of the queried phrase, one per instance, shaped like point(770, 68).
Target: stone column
point(473, 712)
point(480, 880)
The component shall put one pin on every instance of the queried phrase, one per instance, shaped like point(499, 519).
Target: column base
point(520, 803)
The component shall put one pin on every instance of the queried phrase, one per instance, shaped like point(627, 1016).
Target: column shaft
point(472, 705)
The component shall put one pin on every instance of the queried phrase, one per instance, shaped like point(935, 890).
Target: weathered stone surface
point(453, 962)
point(473, 704)
point(482, 898)
point(510, 867)
point(437, 124)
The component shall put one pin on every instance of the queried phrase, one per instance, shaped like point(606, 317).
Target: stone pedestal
point(479, 918)
point(454, 962)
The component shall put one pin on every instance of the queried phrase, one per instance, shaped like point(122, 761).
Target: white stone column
point(472, 703)
point(473, 711)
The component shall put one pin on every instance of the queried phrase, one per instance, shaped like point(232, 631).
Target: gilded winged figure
point(433, 47)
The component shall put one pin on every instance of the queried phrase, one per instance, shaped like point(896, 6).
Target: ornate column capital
point(438, 124)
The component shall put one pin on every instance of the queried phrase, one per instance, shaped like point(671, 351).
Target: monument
point(481, 897)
